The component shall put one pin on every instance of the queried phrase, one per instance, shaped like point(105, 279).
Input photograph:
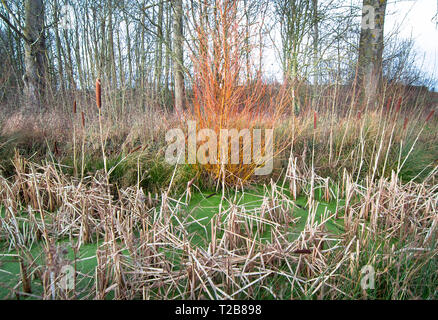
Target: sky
point(414, 18)
point(410, 19)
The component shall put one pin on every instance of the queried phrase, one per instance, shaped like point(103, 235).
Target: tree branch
point(18, 32)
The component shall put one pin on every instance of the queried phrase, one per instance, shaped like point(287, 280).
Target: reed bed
point(155, 247)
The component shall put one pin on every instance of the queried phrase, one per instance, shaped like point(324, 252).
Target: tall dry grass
point(146, 246)
point(288, 244)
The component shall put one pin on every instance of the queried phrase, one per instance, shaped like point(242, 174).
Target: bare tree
point(371, 49)
point(296, 22)
point(315, 40)
point(35, 55)
point(178, 58)
point(34, 48)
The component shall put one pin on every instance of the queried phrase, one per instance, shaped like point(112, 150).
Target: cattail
point(406, 123)
point(135, 150)
point(98, 94)
point(74, 107)
point(55, 149)
point(429, 117)
point(315, 120)
point(388, 105)
point(327, 190)
point(399, 103)
point(359, 115)
point(83, 119)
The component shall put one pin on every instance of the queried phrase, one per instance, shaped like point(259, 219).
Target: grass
point(291, 250)
point(347, 194)
point(201, 209)
point(10, 269)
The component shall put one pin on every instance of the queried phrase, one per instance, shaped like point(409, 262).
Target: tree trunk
point(111, 55)
point(315, 42)
point(159, 58)
point(35, 56)
point(70, 73)
point(371, 49)
point(58, 47)
point(178, 57)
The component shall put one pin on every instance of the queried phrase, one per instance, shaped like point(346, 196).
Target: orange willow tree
point(223, 98)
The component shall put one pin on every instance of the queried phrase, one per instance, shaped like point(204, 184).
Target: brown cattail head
point(399, 103)
point(135, 150)
point(315, 120)
point(55, 149)
point(405, 126)
point(74, 107)
point(83, 119)
point(429, 117)
point(99, 93)
point(388, 105)
point(359, 115)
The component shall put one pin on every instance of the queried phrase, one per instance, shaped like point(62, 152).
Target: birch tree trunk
point(315, 42)
point(178, 56)
point(371, 49)
point(35, 56)
point(159, 57)
point(58, 46)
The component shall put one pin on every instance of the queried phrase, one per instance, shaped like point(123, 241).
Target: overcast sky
point(415, 18)
point(410, 18)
